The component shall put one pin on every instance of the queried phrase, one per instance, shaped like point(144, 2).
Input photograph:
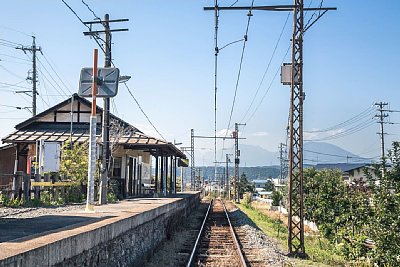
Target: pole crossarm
point(269, 8)
point(98, 32)
point(104, 21)
point(212, 137)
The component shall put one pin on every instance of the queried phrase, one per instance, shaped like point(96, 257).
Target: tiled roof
point(61, 132)
point(344, 167)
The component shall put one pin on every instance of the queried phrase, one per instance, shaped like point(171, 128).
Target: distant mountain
point(261, 172)
point(314, 152)
point(250, 155)
point(259, 163)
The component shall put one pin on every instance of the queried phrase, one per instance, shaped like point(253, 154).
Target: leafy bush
point(247, 199)
point(74, 161)
point(276, 198)
point(111, 197)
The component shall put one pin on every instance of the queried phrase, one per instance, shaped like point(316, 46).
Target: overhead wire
point(267, 68)
point(357, 128)
point(144, 113)
point(269, 87)
point(91, 10)
point(240, 65)
point(11, 72)
point(56, 87)
point(245, 38)
point(14, 57)
point(96, 38)
point(55, 71)
point(365, 113)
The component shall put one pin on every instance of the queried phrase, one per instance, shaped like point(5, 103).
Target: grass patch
point(320, 251)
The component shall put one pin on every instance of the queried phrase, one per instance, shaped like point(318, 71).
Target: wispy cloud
point(225, 132)
point(315, 135)
point(260, 134)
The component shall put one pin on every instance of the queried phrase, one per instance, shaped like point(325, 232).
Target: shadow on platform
point(22, 229)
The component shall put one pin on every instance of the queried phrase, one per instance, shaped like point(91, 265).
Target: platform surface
point(18, 235)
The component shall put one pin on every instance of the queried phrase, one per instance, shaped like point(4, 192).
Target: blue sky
point(350, 62)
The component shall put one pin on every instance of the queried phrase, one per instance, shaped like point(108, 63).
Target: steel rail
point(199, 236)
point(239, 251)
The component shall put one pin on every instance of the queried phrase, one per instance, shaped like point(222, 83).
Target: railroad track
point(216, 243)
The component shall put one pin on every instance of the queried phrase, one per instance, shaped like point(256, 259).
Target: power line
point(270, 85)
point(245, 38)
point(10, 42)
point(335, 155)
point(14, 85)
point(58, 76)
point(11, 72)
point(95, 38)
point(14, 57)
point(102, 48)
point(365, 113)
point(57, 88)
point(94, 14)
point(359, 127)
point(14, 30)
point(240, 65)
point(268, 66)
point(144, 113)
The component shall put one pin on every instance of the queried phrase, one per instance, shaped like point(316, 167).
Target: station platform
point(119, 233)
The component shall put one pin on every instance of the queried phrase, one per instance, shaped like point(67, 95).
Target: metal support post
point(92, 142)
point(227, 182)
point(192, 167)
point(296, 209)
point(156, 175)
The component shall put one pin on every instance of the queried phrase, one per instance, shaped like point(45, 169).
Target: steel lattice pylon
point(296, 213)
point(192, 167)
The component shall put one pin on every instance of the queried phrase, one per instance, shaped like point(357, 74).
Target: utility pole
point(237, 161)
point(34, 80)
point(192, 167)
point(296, 212)
point(227, 182)
point(381, 116)
point(105, 162)
point(296, 193)
point(282, 162)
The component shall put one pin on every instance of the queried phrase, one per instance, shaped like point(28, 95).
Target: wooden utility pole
point(34, 80)
point(105, 163)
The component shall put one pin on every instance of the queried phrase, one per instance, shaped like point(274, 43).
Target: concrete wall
point(126, 242)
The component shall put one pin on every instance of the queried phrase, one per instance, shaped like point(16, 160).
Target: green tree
point(269, 185)
point(74, 161)
point(276, 198)
point(385, 223)
point(324, 199)
point(342, 212)
point(244, 185)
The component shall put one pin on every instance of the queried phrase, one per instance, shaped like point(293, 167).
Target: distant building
point(259, 183)
point(265, 194)
point(351, 172)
